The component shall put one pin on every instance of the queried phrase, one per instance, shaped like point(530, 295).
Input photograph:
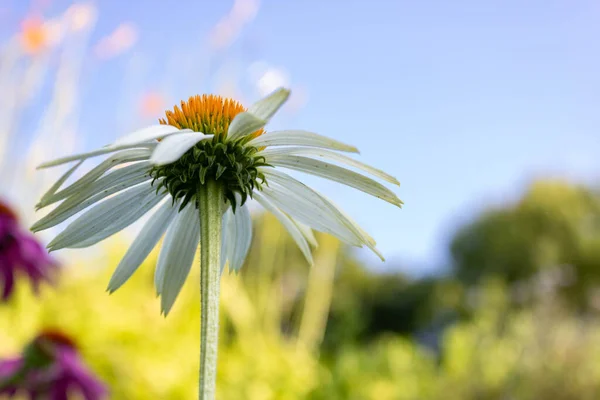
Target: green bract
point(232, 164)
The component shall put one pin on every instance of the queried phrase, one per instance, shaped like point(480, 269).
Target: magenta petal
point(89, 386)
point(7, 278)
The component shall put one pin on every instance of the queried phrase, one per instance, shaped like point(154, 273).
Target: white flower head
point(208, 139)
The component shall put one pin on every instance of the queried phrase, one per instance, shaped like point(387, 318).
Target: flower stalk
point(210, 206)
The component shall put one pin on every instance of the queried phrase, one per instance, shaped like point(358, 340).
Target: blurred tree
point(554, 224)
point(367, 304)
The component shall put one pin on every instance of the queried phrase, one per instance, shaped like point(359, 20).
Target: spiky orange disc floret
point(209, 114)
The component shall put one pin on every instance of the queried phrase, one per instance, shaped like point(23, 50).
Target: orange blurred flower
point(152, 104)
point(34, 36)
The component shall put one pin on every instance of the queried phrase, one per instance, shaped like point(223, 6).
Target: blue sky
point(464, 101)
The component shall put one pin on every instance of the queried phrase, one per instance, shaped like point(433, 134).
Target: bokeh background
point(487, 112)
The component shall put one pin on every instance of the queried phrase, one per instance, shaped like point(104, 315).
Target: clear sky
point(463, 101)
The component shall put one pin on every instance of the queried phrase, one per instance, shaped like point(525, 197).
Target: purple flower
point(49, 368)
point(20, 253)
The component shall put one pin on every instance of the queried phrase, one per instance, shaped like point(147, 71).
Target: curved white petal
point(148, 133)
point(285, 151)
point(104, 215)
point(92, 193)
point(337, 174)
point(304, 205)
point(175, 260)
point(244, 124)
point(142, 245)
point(112, 161)
point(306, 232)
point(300, 138)
point(225, 236)
point(135, 213)
point(289, 225)
point(266, 107)
point(258, 115)
point(351, 224)
point(238, 247)
point(89, 154)
point(292, 188)
point(60, 182)
point(173, 147)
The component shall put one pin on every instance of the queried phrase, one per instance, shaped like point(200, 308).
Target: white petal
point(161, 264)
point(284, 151)
point(225, 235)
point(177, 258)
point(258, 114)
point(337, 174)
point(242, 225)
point(147, 134)
point(351, 224)
point(173, 147)
point(114, 160)
point(244, 124)
point(126, 219)
point(298, 189)
point(306, 232)
point(300, 138)
point(142, 245)
point(83, 156)
point(114, 182)
point(60, 181)
point(307, 206)
point(289, 225)
point(267, 106)
point(103, 215)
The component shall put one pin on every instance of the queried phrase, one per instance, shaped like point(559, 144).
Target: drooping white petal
point(161, 263)
point(173, 147)
point(147, 134)
point(351, 224)
point(176, 259)
point(60, 181)
point(114, 182)
point(300, 138)
point(244, 124)
point(285, 151)
point(291, 188)
point(337, 174)
point(266, 107)
point(142, 245)
point(89, 154)
point(306, 232)
point(289, 225)
point(225, 235)
point(103, 215)
point(128, 218)
point(258, 115)
point(307, 206)
point(304, 205)
point(238, 248)
point(114, 160)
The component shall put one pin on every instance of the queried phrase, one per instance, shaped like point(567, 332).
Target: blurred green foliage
point(339, 331)
point(554, 224)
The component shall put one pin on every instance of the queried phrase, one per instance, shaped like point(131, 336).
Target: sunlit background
point(487, 112)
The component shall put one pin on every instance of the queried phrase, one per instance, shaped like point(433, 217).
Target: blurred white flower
point(119, 41)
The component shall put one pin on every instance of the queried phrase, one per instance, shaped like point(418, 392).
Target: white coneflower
point(199, 167)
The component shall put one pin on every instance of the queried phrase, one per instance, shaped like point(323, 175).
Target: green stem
point(210, 204)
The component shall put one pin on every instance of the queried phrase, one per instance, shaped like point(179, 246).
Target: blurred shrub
point(554, 224)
